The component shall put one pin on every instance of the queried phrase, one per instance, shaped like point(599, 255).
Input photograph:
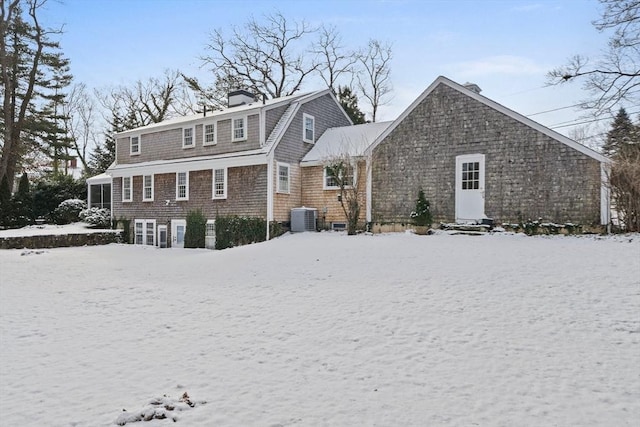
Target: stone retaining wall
point(60, 240)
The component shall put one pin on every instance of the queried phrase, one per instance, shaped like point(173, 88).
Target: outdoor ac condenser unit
point(303, 219)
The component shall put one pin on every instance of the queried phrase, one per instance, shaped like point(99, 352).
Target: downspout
point(369, 166)
point(605, 196)
point(269, 191)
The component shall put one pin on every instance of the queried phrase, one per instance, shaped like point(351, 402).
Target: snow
point(326, 329)
point(51, 230)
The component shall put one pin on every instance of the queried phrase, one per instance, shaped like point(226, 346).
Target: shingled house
point(476, 159)
point(243, 160)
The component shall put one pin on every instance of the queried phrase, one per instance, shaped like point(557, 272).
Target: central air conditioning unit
point(303, 219)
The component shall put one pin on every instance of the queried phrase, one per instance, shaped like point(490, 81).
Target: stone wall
point(527, 173)
point(59, 240)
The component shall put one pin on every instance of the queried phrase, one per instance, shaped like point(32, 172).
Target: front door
point(470, 188)
point(178, 227)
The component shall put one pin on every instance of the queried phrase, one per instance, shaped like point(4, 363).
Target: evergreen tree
point(622, 130)
point(5, 202)
point(422, 215)
point(349, 102)
point(23, 203)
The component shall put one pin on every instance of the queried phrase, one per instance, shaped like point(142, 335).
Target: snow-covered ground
point(324, 329)
point(51, 229)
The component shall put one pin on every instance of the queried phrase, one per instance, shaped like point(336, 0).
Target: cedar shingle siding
point(528, 173)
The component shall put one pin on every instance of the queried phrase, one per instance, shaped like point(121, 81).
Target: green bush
point(194, 235)
point(50, 192)
point(69, 211)
point(239, 230)
point(422, 215)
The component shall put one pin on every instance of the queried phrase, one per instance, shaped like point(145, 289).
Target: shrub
point(194, 235)
point(237, 231)
point(96, 217)
point(50, 192)
point(422, 215)
point(69, 211)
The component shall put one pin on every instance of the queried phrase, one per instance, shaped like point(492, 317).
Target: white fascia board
point(498, 107)
point(323, 162)
point(368, 190)
point(605, 194)
point(188, 165)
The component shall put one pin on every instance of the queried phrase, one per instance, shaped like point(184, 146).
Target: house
point(319, 189)
point(243, 160)
point(476, 160)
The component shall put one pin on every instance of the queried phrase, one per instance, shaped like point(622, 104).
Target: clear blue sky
point(504, 46)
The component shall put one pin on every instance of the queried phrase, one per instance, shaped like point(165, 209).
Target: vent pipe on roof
point(472, 87)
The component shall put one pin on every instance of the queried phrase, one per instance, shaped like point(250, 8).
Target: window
point(147, 188)
point(209, 134)
point(182, 186)
point(220, 183)
point(283, 178)
point(145, 232)
point(187, 138)
point(238, 129)
point(126, 189)
point(134, 145)
point(308, 128)
point(470, 175)
point(345, 172)
point(210, 235)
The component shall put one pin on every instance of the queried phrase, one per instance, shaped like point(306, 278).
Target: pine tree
point(349, 102)
point(5, 202)
point(22, 203)
point(422, 215)
point(622, 130)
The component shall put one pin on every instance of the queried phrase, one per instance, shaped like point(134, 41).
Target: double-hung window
point(134, 145)
point(209, 134)
point(220, 183)
point(182, 186)
point(239, 129)
point(188, 137)
point(127, 193)
point(147, 188)
point(308, 128)
point(337, 175)
point(283, 178)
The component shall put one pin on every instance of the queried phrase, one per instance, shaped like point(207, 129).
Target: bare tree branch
point(375, 80)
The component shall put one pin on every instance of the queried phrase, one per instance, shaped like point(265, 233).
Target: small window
point(209, 134)
point(182, 186)
point(147, 188)
point(188, 138)
point(126, 189)
point(470, 176)
point(220, 183)
point(134, 145)
point(346, 173)
point(283, 178)
point(238, 129)
point(308, 128)
point(145, 232)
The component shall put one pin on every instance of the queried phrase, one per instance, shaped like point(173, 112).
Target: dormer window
point(239, 129)
point(308, 128)
point(209, 134)
point(134, 145)
point(188, 138)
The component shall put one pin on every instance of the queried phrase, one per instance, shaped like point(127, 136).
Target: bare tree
point(149, 101)
point(614, 77)
point(334, 61)
point(267, 58)
point(375, 81)
point(81, 121)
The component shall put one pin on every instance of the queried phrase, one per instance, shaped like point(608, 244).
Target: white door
point(162, 236)
point(178, 227)
point(470, 188)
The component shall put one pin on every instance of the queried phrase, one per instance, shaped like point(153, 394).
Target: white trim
point(492, 104)
point(244, 128)
point(193, 137)
point(186, 197)
point(605, 194)
point(247, 158)
point(368, 189)
point(131, 152)
point(145, 199)
point(354, 167)
point(213, 184)
point(145, 225)
point(278, 188)
point(269, 192)
point(213, 123)
point(130, 188)
point(306, 116)
point(460, 194)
